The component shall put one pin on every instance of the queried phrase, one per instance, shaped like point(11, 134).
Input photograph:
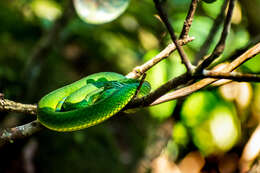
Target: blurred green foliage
point(207, 121)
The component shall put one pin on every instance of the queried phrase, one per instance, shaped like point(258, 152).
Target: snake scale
point(87, 102)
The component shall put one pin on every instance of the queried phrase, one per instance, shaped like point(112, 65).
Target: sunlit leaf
point(212, 9)
point(202, 139)
point(256, 102)
point(46, 9)
point(224, 128)
point(180, 134)
point(147, 39)
point(196, 108)
point(237, 14)
point(253, 64)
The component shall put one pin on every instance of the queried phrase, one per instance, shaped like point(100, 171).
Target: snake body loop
point(88, 101)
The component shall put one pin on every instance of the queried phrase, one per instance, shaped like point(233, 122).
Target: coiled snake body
point(88, 101)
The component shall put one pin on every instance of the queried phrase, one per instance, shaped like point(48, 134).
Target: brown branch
point(155, 95)
point(205, 82)
point(238, 52)
point(8, 135)
point(140, 85)
point(219, 49)
point(236, 76)
point(140, 70)
point(11, 106)
point(159, 95)
point(170, 29)
point(189, 19)
point(213, 31)
point(33, 127)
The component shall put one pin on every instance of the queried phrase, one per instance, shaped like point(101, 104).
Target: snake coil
point(88, 101)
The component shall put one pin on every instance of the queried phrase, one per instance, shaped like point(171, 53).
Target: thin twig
point(150, 98)
point(219, 49)
point(238, 52)
point(159, 95)
point(140, 85)
point(189, 19)
point(205, 82)
point(140, 70)
point(8, 135)
point(30, 128)
point(170, 29)
point(11, 106)
point(236, 76)
point(213, 31)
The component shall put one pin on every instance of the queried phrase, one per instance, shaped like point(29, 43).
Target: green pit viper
point(87, 102)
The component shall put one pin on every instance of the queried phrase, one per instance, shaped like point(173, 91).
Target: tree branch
point(219, 49)
point(140, 70)
point(170, 29)
point(205, 47)
point(189, 19)
point(205, 82)
point(156, 94)
point(11, 106)
point(236, 76)
point(8, 135)
point(139, 86)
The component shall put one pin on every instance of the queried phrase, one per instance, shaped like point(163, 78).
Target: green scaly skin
point(101, 103)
